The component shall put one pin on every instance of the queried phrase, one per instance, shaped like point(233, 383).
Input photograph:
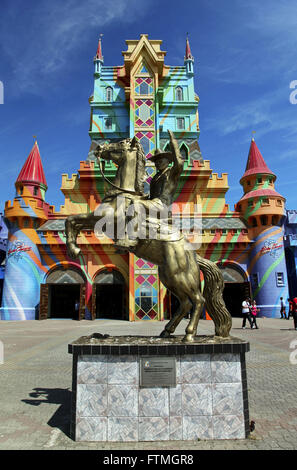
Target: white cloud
point(46, 38)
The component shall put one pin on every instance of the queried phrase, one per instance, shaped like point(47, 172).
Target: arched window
point(184, 152)
point(179, 96)
point(109, 93)
point(254, 222)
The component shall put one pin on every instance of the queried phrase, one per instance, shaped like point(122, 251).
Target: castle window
point(254, 222)
point(35, 191)
point(144, 89)
point(250, 202)
point(265, 201)
point(108, 124)
point(179, 96)
point(274, 220)
point(259, 180)
point(278, 202)
point(280, 279)
point(184, 152)
point(263, 219)
point(109, 93)
point(248, 183)
point(213, 231)
point(21, 190)
point(180, 123)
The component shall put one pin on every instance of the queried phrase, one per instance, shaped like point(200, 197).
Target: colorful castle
point(143, 97)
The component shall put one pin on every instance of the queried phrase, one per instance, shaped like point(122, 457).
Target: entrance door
point(108, 299)
point(62, 300)
point(234, 294)
point(236, 288)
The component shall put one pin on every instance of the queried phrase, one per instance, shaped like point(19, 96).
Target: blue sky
point(245, 59)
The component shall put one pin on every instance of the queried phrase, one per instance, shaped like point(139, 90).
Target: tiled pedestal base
point(209, 401)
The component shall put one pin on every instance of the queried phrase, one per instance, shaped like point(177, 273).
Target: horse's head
point(119, 152)
point(115, 150)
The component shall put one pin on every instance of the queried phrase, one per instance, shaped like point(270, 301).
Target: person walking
point(246, 313)
point(283, 308)
point(254, 311)
point(294, 312)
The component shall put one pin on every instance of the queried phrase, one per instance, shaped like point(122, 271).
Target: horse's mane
point(140, 169)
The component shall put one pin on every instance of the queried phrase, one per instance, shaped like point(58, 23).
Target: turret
point(263, 209)
point(189, 60)
point(23, 270)
point(98, 59)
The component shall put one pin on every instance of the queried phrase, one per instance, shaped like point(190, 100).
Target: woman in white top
point(246, 313)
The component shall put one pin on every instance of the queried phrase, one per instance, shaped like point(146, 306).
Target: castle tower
point(23, 271)
point(263, 208)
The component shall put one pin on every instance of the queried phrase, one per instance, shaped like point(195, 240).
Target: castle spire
point(189, 59)
point(99, 55)
point(255, 162)
point(188, 55)
point(32, 171)
point(98, 59)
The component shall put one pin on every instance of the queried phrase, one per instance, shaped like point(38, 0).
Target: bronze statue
point(179, 269)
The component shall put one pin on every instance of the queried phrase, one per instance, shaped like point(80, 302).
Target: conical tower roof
point(99, 55)
point(188, 55)
point(256, 163)
point(32, 170)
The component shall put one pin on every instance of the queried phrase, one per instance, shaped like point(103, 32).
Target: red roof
point(256, 163)
point(188, 50)
point(99, 51)
point(261, 193)
point(32, 170)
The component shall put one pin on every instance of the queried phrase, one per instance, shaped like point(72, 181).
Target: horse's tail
point(213, 294)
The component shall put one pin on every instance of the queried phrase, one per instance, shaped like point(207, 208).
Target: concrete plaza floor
point(36, 377)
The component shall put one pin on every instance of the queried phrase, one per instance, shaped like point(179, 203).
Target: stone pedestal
point(209, 400)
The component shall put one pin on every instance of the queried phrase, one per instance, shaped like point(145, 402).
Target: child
point(254, 311)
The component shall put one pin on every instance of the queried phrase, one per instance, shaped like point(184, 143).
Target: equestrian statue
point(179, 268)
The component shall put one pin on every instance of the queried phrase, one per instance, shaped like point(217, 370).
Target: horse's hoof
point(165, 334)
point(189, 338)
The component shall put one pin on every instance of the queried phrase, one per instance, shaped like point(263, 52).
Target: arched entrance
point(108, 297)
point(63, 295)
point(237, 288)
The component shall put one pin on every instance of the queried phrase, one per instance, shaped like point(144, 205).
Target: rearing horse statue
point(179, 268)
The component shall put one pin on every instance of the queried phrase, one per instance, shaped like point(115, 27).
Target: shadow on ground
point(59, 396)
